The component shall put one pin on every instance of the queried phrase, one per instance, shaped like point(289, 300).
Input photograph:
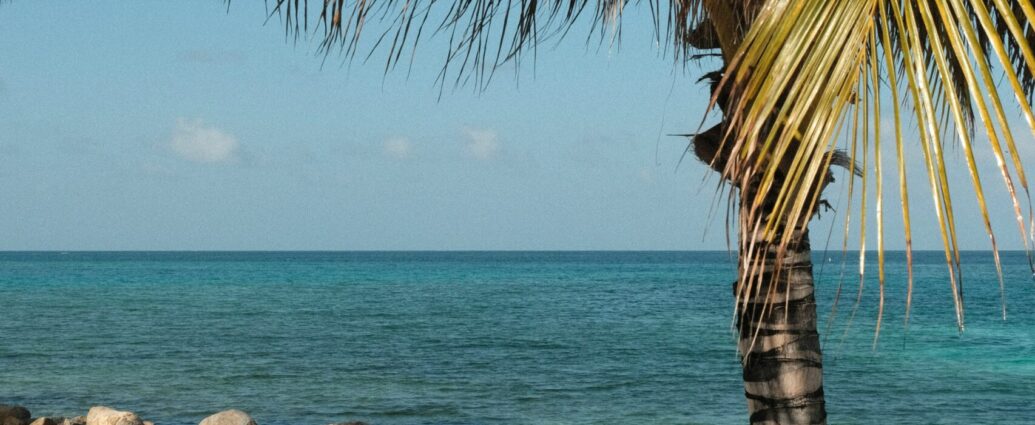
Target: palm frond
point(482, 34)
point(804, 65)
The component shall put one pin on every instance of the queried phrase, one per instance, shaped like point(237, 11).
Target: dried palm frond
point(482, 34)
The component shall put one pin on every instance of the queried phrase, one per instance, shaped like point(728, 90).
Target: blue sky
point(179, 125)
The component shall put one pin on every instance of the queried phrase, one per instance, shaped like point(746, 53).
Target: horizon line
point(8, 251)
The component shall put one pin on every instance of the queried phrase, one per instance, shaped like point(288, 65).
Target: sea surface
point(488, 338)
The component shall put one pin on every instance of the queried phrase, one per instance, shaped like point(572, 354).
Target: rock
point(14, 415)
point(227, 417)
point(149, 423)
point(102, 415)
point(43, 421)
point(78, 420)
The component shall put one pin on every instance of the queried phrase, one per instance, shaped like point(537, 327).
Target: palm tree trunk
point(776, 307)
point(779, 344)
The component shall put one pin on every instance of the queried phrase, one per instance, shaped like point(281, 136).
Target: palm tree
point(797, 78)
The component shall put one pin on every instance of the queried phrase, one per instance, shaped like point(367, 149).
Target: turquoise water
point(483, 338)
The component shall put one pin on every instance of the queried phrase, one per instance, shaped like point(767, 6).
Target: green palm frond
point(804, 65)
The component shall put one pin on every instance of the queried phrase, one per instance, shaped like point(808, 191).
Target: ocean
point(488, 338)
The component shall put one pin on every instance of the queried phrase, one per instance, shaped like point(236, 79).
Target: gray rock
point(43, 421)
point(14, 415)
point(103, 415)
point(78, 420)
point(228, 417)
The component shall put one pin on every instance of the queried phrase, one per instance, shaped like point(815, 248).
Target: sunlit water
point(485, 338)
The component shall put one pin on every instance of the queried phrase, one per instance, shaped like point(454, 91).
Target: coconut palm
point(797, 80)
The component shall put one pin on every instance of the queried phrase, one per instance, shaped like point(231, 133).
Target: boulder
point(43, 421)
point(228, 417)
point(14, 415)
point(78, 420)
point(102, 415)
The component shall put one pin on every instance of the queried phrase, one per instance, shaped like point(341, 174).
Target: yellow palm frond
point(804, 65)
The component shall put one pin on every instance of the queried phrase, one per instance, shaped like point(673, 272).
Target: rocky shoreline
point(103, 415)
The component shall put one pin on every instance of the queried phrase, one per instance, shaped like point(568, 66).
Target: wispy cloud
point(196, 141)
point(646, 175)
point(481, 144)
point(398, 148)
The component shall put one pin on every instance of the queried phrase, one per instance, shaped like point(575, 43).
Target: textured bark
point(776, 305)
point(779, 344)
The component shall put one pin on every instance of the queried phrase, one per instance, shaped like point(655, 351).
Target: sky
point(188, 126)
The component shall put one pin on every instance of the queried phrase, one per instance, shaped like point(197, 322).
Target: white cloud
point(481, 144)
point(398, 147)
point(646, 175)
point(195, 141)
